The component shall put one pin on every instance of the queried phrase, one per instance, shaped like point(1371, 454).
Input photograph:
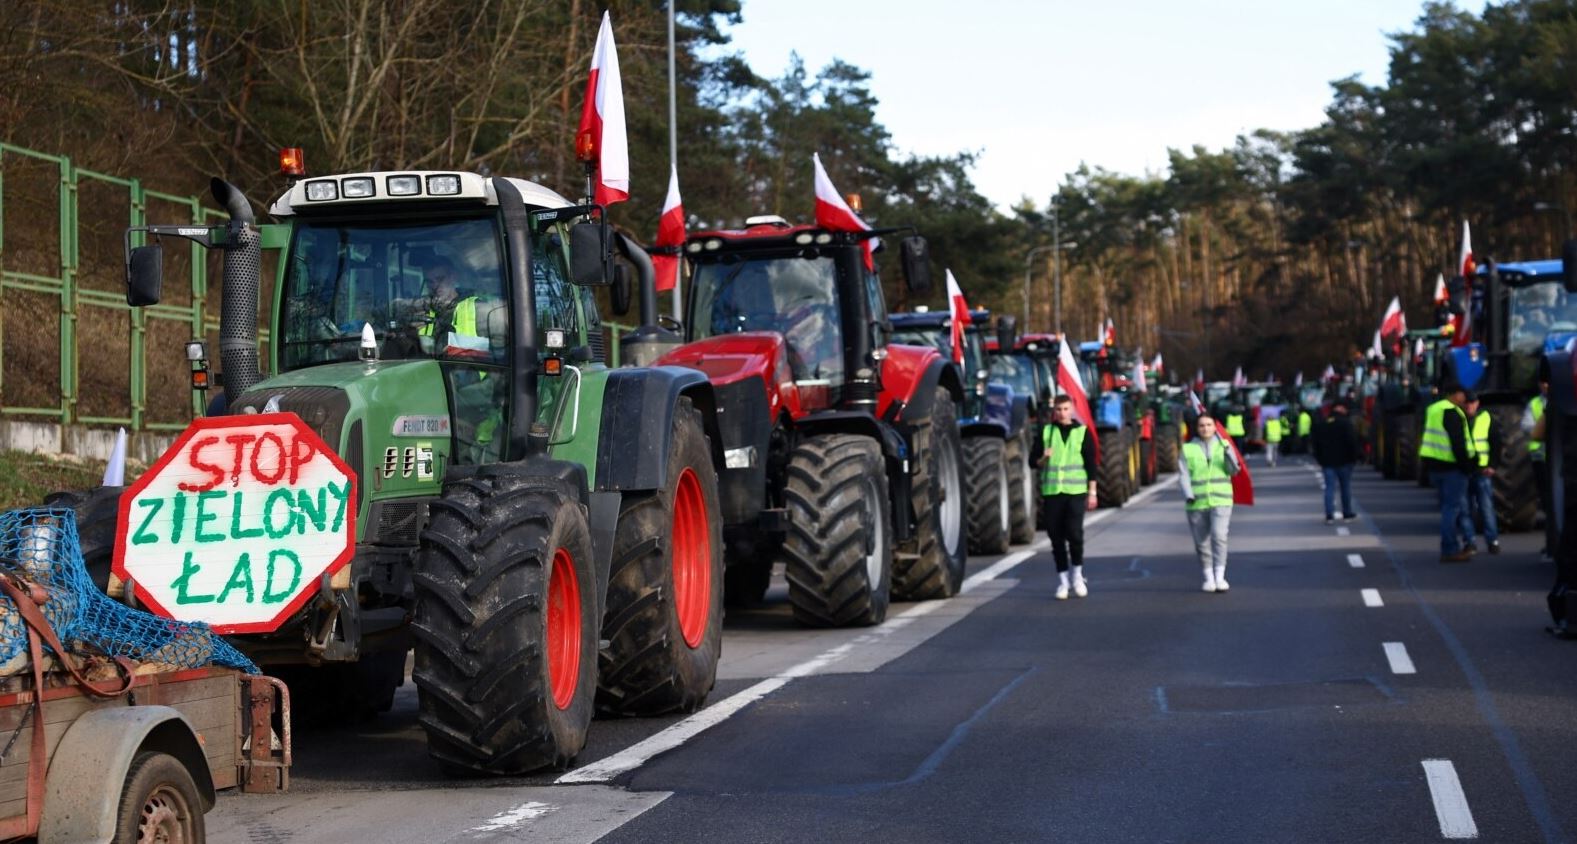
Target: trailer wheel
point(158, 803)
point(931, 563)
point(838, 552)
point(98, 514)
point(1516, 510)
point(505, 623)
point(1021, 486)
point(986, 493)
point(1166, 440)
point(664, 617)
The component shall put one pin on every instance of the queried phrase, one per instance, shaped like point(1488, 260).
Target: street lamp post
point(1029, 266)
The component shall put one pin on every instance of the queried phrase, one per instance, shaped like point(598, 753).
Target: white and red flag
point(1329, 374)
point(1195, 404)
point(1139, 382)
point(1394, 323)
point(1070, 383)
point(1463, 323)
point(1465, 264)
point(1297, 380)
point(1199, 380)
point(1418, 349)
point(1109, 333)
point(601, 139)
point(1237, 377)
point(670, 235)
point(1156, 364)
point(1376, 348)
point(1442, 294)
point(834, 214)
point(959, 312)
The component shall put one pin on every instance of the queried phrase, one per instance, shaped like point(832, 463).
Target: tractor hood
point(727, 358)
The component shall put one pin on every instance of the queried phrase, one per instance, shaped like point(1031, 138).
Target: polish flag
point(1394, 323)
point(1418, 349)
point(1069, 382)
point(1237, 377)
point(1442, 295)
point(670, 235)
point(1139, 382)
point(1199, 380)
point(1376, 349)
point(1463, 323)
point(960, 316)
point(601, 139)
point(1195, 404)
point(1109, 334)
point(1329, 374)
point(1465, 264)
point(833, 214)
point(1155, 364)
point(1297, 380)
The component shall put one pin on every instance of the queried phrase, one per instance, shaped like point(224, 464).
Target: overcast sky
point(1038, 86)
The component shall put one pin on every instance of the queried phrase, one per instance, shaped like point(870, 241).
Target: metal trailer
point(141, 765)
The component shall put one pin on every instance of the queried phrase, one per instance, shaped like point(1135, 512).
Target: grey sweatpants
point(1209, 527)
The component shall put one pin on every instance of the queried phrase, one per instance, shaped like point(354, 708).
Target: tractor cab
point(1529, 312)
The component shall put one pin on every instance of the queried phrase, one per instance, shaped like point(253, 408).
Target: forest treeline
point(1276, 253)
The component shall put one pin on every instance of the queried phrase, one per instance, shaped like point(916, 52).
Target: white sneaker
point(1210, 582)
point(1062, 591)
point(1079, 589)
point(1221, 583)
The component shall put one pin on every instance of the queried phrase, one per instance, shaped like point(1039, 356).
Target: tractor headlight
point(448, 185)
point(359, 188)
point(404, 185)
point(322, 191)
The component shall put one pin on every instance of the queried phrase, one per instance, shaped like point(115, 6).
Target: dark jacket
point(1037, 448)
point(1335, 441)
point(1457, 432)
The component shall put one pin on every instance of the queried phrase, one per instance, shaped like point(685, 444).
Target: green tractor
point(544, 531)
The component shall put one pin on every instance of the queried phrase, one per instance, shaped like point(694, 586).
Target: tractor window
point(1015, 371)
point(930, 338)
point(428, 290)
point(556, 297)
point(796, 297)
point(1537, 311)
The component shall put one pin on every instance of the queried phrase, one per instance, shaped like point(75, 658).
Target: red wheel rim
point(563, 629)
point(692, 559)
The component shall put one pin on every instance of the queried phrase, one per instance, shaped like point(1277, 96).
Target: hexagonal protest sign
point(237, 523)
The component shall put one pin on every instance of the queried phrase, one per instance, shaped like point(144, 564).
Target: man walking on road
point(1481, 486)
point(1205, 472)
point(1334, 441)
point(1533, 426)
point(1273, 431)
point(1067, 489)
point(1446, 453)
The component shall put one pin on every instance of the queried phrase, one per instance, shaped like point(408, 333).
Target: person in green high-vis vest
point(1235, 426)
point(1205, 471)
point(1066, 457)
point(1533, 426)
point(1273, 431)
point(1446, 452)
point(1480, 484)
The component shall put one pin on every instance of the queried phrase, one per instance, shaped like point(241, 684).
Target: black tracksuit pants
point(1063, 516)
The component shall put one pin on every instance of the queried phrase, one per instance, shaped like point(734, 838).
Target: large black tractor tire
point(931, 563)
point(838, 552)
point(664, 619)
point(1022, 495)
point(1167, 443)
point(1514, 486)
point(987, 495)
point(1404, 449)
point(505, 623)
point(1111, 473)
point(98, 514)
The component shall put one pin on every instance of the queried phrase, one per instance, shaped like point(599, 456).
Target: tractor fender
point(745, 421)
point(999, 406)
point(910, 376)
point(637, 425)
point(88, 769)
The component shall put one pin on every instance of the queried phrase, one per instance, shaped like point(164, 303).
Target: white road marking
point(1401, 663)
point(1371, 598)
point(1355, 560)
point(514, 817)
point(1456, 819)
point(638, 754)
point(1343, 531)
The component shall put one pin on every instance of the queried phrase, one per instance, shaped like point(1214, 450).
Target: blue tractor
point(993, 420)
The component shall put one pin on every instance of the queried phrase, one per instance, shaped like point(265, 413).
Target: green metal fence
point(75, 299)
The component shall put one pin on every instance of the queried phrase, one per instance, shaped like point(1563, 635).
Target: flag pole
point(673, 143)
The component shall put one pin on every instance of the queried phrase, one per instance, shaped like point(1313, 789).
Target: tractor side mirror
point(144, 275)
point(1007, 332)
point(915, 256)
point(1569, 266)
point(589, 258)
point(619, 291)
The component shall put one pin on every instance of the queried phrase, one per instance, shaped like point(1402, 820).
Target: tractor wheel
point(98, 514)
point(987, 494)
point(1021, 490)
point(505, 623)
point(1112, 471)
point(664, 617)
point(838, 551)
point(1134, 468)
point(1514, 486)
point(1166, 445)
point(1147, 459)
point(931, 563)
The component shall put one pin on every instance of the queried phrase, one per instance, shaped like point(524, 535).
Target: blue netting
point(40, 544)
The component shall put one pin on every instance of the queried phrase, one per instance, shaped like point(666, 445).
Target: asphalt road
point(1149, 711)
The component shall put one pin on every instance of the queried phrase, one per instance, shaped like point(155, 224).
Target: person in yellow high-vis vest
point(1446, 452)
point(1533, 426)
point(1273, 432)
point(1480, 484)
point(1067, 488)
point(1204, 471)
point(1235, 426)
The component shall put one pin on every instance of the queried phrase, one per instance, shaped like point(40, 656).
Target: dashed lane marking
point(1343, 531)
point(1451, 809)
point(1401, 663)
point(514, 817)
point(1371, 598)
point(1355, 560)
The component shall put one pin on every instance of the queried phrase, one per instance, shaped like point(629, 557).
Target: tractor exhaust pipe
point(238, 304)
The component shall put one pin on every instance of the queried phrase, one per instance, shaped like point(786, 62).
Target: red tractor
point(842, 453)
